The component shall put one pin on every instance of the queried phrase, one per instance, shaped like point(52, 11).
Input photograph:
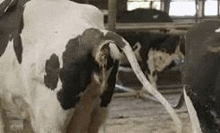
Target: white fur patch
point(126, 42)
point(158, 60)
point(97, 78)
point(155, 16)
point(100, 57)
point(114, 51)
point(104, 32)
point(125, 69)
point(217, 30)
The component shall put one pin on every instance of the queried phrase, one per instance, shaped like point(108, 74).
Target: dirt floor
point(133, 115)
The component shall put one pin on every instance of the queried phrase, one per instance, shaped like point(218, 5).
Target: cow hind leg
point(98, 117)
point(85, 121)
point(206, 119)
point(80, 120)
point(87, 112)
point(217, 101)
point(205, 115)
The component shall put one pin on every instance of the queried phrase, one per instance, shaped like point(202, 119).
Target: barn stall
point(130, 112)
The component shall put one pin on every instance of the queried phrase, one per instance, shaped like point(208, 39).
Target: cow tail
point(125, 47)
point(147, 86)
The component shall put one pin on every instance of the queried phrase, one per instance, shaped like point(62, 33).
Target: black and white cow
point(60, 68)
point(202, 73)
point(155, 51)
point(143, 15)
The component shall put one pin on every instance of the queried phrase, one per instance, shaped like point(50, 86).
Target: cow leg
point(98, 117)
point(6, 102)
point(82, 115)
point(203, 90)
point(211, 113)
point(81, 118)
point(203, 107)
point(206, 118)
point(16, 116)
point(12, 107)
point(79, 122)
point(217, 101)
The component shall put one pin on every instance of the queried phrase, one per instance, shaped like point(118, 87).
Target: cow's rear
point(202, 73)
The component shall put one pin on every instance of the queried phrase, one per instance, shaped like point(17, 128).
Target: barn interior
point(130, 110)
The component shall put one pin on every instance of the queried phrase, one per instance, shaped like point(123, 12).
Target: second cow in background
point(156, 51)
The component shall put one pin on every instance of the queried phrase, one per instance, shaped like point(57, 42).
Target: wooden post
point(197, 11)
point(201, 8)
point(166, 5)
point(162, 6)
point(112, 4)
point(151, 4)
point(218, 8)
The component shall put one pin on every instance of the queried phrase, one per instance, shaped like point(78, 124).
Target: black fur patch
point(79, 65)
point(52, 70)
point(92, 37)
point(169, 45)
point(107, 94)
point(156, 41)
point(7, 5)
point(18, 46)
point(3, 43)
point(12, 5)
point(143, 15)
point(116, 38)
point(75, 74)
point(11, 25)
